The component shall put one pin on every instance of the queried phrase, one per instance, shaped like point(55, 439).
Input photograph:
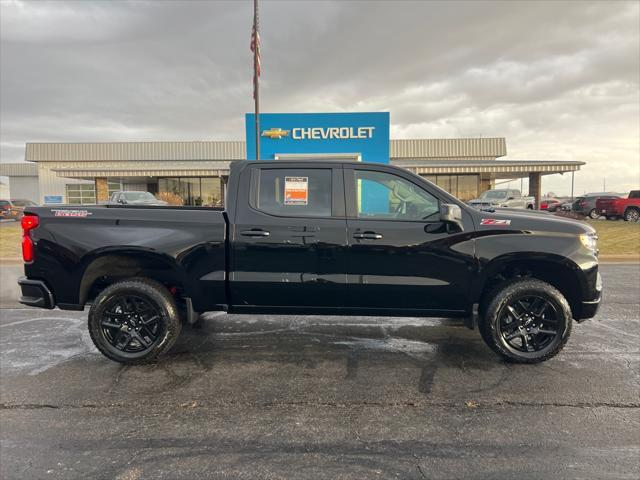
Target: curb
point(619, 259)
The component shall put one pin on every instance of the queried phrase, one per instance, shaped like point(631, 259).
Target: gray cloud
point(559, 79)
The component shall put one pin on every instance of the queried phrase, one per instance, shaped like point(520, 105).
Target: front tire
point(526, 321)
point(593, 214)
point(134, 321)
point(632, 215)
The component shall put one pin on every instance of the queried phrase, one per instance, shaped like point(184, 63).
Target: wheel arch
point(556, 270)
point(105, 267)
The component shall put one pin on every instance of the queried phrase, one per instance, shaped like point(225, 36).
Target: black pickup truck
point(319, 237)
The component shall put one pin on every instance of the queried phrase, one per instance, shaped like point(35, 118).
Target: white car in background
point(502, 198)
point(134, 198)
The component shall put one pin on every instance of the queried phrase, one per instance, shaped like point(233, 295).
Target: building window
point(468, 187)
point(114, 186)
point(81, 193)
point(198, 191)
point(463, 187)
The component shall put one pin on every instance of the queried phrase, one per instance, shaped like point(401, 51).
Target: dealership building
point(196, 172)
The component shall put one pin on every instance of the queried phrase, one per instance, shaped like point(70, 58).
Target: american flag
point(255, 47)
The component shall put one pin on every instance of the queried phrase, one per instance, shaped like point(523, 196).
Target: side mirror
point(452, 214)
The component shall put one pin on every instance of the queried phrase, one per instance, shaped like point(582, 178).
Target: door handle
point(255, 233)
point(367, 236)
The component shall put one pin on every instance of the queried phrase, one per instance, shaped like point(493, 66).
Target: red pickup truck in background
point(613, 208)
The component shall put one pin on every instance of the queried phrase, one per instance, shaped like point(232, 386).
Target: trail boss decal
point(494, 221)
point(71, 213)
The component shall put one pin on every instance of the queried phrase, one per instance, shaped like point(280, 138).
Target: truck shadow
point(346, 351)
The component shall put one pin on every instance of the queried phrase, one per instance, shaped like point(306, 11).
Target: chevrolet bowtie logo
point(275, 133)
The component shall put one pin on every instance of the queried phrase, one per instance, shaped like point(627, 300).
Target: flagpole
point(256, 83)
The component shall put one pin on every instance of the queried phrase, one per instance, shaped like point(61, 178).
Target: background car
point(586, 204)
point(135, 198)
point(13, 209)
point(550, 204)
point(627, 207)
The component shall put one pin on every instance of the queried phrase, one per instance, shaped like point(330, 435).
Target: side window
point(293, 192)
point(386, 196)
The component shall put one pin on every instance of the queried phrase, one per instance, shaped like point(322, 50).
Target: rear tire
point(134, 321)
point(526, 321)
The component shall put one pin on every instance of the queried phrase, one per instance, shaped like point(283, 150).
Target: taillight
point(29, 222)
point(6, 207)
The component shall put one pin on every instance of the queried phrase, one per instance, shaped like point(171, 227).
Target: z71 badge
point(70, 213)
point(494, 221)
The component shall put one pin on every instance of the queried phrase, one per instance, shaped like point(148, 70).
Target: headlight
point(590, 241)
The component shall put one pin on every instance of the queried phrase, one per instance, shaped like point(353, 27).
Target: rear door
point(401, 256)
point(289, 236)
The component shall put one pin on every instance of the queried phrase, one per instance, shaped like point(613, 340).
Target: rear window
point(4, 203)
point(634, 194)
point(293, 192)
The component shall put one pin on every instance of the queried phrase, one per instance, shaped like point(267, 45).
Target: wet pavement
point(320, 397)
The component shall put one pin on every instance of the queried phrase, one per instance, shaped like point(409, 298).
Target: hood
point(530, 220)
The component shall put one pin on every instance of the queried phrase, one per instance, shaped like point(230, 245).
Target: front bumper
point(35, 293)
point(589, 308)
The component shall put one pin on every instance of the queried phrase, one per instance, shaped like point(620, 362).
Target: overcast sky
point(559, 80)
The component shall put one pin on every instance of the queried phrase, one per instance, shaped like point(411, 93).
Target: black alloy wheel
point(528, 324)
point(131, 323)
point(525, 320)
point(134, 321)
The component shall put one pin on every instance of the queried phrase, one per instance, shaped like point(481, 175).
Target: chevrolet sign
point(343, 133)
point(318, 134)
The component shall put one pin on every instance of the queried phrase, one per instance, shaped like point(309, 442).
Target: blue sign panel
point(50, 199)
point(365, 134)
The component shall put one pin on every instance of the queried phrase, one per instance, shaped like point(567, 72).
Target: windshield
point(494, 194)
point(139, 197)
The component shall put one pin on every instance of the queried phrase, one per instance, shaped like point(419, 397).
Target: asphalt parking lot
point(312, 397)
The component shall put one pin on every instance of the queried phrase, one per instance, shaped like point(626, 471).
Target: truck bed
point(186, 243)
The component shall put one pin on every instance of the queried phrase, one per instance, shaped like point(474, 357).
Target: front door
point(289, 238)
point(401, 256)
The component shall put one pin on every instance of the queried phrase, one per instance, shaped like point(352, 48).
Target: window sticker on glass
point(296, 190)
